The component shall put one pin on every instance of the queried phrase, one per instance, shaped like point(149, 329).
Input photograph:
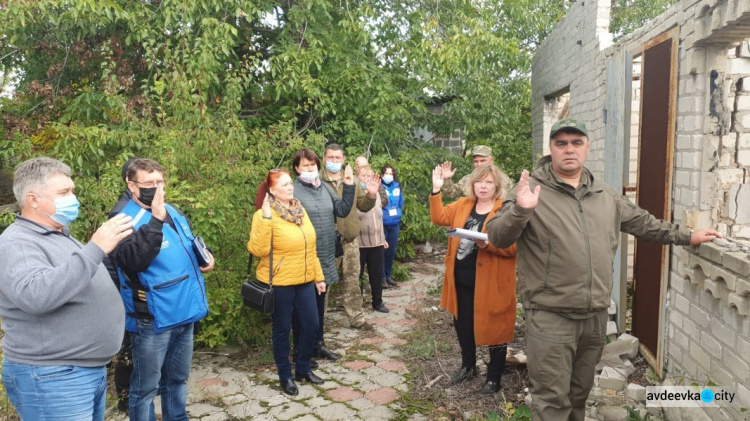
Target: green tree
point(219, 92)
point(629, 15)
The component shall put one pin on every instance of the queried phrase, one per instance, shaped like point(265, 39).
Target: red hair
point(272, 178)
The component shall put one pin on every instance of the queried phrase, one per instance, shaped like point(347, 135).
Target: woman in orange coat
point(479, 287)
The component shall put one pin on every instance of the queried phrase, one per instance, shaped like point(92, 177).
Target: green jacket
point(349, 227)
point(454, 191)
point(567, 244)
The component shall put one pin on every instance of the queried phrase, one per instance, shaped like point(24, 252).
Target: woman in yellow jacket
point(297, 274)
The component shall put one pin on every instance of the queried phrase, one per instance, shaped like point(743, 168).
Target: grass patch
point(425, 345)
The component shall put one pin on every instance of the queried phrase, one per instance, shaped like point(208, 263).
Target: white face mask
point(308, 176)
point(387, 178)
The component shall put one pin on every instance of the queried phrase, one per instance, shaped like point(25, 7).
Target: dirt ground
point(431, 390)
point(437, 357)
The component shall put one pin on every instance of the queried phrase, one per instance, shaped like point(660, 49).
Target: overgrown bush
point(218, 95)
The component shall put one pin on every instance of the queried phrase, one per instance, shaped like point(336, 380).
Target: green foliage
point(509, 413)
point(629, 15)
point(633, 415)
point(425, 346)
point(400, 273)
point(220, 92)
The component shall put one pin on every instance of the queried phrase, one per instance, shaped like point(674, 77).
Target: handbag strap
point(270, 263)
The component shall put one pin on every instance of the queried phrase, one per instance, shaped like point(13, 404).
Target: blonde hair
point(363, 168)
point(479, 173)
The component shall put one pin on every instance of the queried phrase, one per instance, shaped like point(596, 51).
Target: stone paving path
point(365, 384)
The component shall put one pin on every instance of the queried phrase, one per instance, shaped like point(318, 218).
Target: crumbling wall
point(706, 333)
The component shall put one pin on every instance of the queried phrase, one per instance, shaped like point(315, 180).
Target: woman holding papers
point(479, 286)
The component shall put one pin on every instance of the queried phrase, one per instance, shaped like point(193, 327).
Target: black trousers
point(464, 325)
point(320, 300)
point(372, 257)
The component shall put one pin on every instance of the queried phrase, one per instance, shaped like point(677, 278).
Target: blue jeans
point(161, 363)
point(391, 236)
point(299, 298)
point(56, 392)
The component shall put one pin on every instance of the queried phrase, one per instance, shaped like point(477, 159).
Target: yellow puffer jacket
point(295, 259)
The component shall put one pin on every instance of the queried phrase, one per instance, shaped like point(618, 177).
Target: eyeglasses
point(150, 184)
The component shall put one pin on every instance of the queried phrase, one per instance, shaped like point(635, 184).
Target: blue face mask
point(333, 167)
point(66, 210)
point(364, 186)
point(387, 178)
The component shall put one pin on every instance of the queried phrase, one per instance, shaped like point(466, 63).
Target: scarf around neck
point(294, 213)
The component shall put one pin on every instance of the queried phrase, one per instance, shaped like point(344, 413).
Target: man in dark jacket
point(162, 287)
point(567, 225)
point(123, 363)
point(348, 227)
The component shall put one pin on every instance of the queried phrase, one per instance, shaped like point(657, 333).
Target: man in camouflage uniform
point(481, 155)
point(331, 174)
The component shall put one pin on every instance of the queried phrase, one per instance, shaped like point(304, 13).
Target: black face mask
point(147, 195)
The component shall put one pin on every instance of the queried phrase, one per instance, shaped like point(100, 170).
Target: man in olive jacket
point(567, 226)
point(348, 227)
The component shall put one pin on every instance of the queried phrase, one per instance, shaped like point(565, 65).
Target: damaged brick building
point(668, 110)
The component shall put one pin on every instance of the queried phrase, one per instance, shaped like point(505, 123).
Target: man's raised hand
point(158, 208)
point(525, 198)
point(112, 232)
point(348, 175)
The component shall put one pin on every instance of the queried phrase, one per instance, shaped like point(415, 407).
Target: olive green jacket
point(349, 227)
point(567, 244)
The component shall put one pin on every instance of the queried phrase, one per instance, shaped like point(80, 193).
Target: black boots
point(309, 377)
point(391, 282)
point(289, 387)
point(464, 374)
point(321, 351)
point(489, 388)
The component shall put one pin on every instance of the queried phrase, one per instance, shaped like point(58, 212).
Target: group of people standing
point(63, 319)
point(308, 225)
point(556, 232)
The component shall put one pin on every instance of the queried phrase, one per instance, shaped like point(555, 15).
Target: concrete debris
point(612, 413)
point(611, 378)
point(612, 310)
point(624, 345)
point(621, 364)
point(611, 328)
point(635, 392)
point(518, 358)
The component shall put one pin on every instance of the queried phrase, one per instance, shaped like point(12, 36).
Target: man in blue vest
point(162, 287)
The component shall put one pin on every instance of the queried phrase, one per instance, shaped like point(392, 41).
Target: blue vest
point(173, 283)
point(393, 211)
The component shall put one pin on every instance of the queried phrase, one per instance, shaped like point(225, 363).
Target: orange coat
point(495, 288)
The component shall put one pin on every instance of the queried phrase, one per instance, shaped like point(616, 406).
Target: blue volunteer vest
point(173, 283)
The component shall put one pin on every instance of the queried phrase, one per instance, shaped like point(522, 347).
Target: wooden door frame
point(657, 361)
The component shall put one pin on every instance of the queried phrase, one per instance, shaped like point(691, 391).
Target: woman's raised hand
point(372, 184)
point(437, 179)
point(266, 208)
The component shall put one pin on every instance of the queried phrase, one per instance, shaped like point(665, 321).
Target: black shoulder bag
point(258, 295)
